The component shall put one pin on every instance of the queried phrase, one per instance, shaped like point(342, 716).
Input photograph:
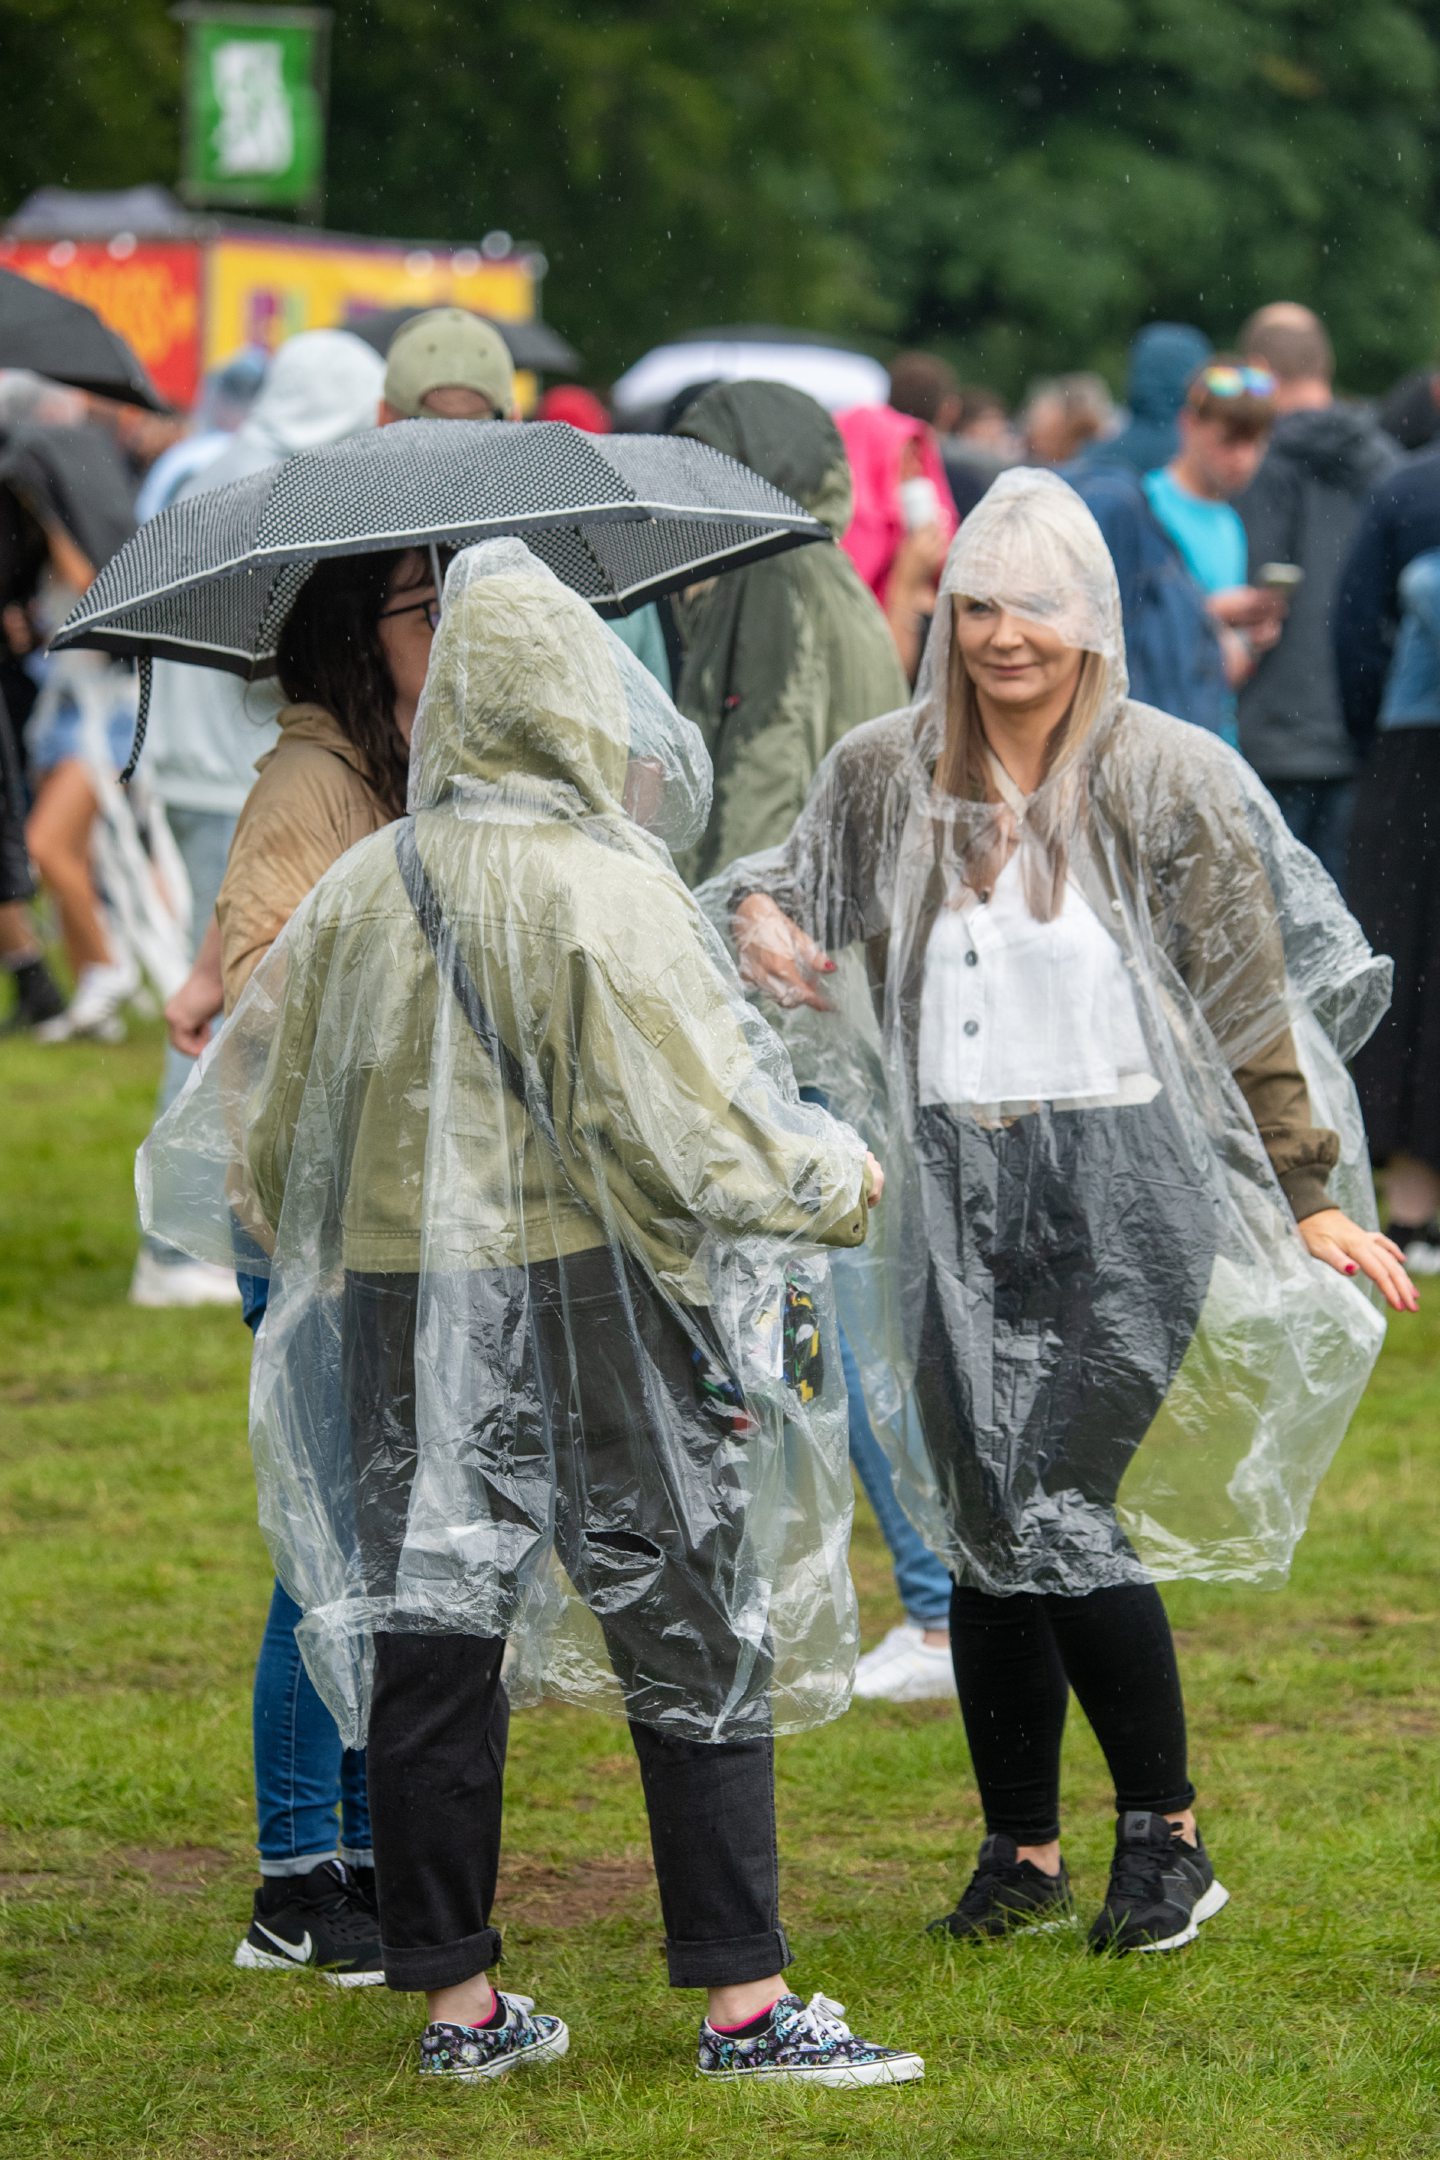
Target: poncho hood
point(528, 689)
point(1032, 546)
point(321, 387)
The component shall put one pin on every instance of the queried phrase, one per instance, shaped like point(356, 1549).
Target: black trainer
point(1160, 1887)
point(1007, 1896)
point(322, 1921)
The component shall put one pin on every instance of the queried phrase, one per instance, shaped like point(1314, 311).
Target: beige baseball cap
point(447, 349)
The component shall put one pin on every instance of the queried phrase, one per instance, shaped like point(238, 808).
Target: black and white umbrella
point(620, 519)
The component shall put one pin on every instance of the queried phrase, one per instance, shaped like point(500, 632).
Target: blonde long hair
point(962, 773)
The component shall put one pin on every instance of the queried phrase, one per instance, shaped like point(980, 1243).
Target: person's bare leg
point(57, 834)
point(17, 933)
point(468, 2002)
point(1412, 1190)
point(1046, 1857)
point(738, 2005)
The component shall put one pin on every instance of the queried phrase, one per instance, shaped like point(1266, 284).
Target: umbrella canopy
point(834, 375)
point(532, 345)
point(53, 335)
point(621, 519)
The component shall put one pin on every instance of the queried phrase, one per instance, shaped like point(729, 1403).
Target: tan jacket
point(311, 802)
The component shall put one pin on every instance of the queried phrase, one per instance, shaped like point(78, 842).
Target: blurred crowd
point(1274, 541)
point(1277, 554)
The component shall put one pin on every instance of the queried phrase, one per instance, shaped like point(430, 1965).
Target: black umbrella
point(53, 335)
point(621, 519)
point(532, 345)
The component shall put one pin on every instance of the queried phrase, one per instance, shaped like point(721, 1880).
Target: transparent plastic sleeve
point(549, 1351)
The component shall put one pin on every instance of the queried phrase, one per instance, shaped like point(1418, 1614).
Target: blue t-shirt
point(1209, 535)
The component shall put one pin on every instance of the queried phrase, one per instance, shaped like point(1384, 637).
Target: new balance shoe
point(905, 1668)
point(523, 2036)
point(807, 2043)
point(1161, 1889)
point(322, 1921)
point(1007, 1896)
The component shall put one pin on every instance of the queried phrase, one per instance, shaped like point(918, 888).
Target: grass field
point(1305, 2022)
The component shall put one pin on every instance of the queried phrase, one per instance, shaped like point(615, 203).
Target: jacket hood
point(1163, 358)
point(322, 386)
point(782, 435)
point(527, 690)
point(1340, 445)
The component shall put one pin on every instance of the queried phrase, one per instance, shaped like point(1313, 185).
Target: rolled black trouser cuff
point(726, 1963)
point(441, 1965)
point(1172, 1804)
point(1024, 1833)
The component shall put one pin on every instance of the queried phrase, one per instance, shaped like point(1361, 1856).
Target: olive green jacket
point(785, 657)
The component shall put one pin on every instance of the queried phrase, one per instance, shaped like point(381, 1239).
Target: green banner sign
point(255, 105)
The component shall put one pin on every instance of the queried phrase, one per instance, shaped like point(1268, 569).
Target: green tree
point(1072, 168)
point(679, 164)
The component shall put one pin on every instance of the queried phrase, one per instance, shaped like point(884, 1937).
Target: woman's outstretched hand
point(1343, 1245)
point(874, 1181)
point(776, 955)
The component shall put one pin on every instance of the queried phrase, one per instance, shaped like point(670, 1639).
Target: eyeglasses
point(430, 608)
point(1225, 381)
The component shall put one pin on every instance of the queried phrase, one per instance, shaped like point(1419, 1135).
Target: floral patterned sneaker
point(809, 2043)
point(485, 2051)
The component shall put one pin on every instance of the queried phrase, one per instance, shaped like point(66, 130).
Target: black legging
point(1016, 1660)
point(1069, 1260)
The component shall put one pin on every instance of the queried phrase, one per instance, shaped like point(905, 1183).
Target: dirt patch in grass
point(179, 1870)
point(532, 1892)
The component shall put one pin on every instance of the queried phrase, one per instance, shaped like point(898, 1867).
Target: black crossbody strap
point(451, 965)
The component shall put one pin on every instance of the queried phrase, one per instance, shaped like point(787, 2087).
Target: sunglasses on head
point(1224, 381)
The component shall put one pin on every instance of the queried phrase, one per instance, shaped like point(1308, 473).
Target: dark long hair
point(330, 655)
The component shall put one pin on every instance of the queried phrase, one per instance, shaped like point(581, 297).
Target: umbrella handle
point(435, 574)
point(142, 719)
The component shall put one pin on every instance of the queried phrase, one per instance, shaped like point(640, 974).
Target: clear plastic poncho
point(1090, 1335)
point(549, 1351)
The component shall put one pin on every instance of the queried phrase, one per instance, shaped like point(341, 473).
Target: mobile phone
point(1280, 577)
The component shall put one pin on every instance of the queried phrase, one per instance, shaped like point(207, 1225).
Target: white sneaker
point(905, 1668)
point(94, 1010)
point(182, 1282)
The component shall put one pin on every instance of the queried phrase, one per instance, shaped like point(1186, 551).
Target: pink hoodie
point(874, 437)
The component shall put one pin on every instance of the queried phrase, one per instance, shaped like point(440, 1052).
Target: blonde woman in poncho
point(1062, 952)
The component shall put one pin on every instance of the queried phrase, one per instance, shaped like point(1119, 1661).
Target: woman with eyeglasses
point(1067, 966)
point(352, 661)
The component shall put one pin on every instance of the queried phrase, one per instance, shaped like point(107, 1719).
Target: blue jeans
point(923, 1584)
point(1318, 813)
point(203, 839)
point(303, 1777)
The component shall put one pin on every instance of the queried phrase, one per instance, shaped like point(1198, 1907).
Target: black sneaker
point(1160, 1887)
point(1008, 1896)
point(804, 2043)
point(38, 997)
point(322, 1920)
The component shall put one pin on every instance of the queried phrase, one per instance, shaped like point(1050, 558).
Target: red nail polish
point(1350, 1269)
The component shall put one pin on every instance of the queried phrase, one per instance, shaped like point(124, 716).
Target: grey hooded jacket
point(1302, 508)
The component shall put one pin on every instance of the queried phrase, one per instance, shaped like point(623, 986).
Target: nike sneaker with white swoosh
point(323, 1921)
